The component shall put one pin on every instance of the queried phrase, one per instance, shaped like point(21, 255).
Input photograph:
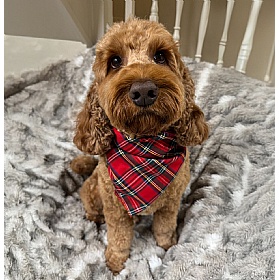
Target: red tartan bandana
point(141, 169)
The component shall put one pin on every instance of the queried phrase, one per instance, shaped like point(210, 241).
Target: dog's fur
point(108, 105)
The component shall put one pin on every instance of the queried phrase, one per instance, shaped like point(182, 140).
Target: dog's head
point(141, 87)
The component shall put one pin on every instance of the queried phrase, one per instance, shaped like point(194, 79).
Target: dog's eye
point(116, 62)
point(159, 57)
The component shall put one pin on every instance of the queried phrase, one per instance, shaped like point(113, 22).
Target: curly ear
point(93, 131)
point(192, 128)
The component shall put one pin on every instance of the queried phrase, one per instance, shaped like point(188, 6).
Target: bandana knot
point(141, 169)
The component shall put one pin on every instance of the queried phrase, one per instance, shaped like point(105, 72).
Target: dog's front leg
point(119, 223)
point(164, 226)
point(90, 196)
point(119, 234)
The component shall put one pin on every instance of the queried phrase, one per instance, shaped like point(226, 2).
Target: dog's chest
point(172, 194)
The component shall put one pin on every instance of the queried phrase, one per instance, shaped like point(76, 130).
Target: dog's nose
point(143, 93)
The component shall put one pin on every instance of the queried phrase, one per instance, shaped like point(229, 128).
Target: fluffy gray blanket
point(226, 221)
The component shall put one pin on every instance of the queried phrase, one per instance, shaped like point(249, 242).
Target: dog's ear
point(191, 129)
point(93, 131)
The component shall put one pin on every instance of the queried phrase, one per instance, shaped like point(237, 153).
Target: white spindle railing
point(270, 61)
point(129, 9)
point(178, 13)
point(247, 42)
point(202, 28)
point(154, 14)
point(108, 14)
point(223, 42)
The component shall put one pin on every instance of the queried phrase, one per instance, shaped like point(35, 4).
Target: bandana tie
point(141, 169)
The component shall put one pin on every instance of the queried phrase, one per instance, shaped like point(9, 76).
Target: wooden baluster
point(270, 61)
point(179, 7)
point(202, 28)
point(129, 9)
point(247, 42)
point(154, 14)
point(108, 14)
point(223, 42)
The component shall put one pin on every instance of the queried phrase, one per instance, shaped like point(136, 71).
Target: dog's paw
point(83, 165)
point(95, 217)
point(115, 260)
point(165, 241)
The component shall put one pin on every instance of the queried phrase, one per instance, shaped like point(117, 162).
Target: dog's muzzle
point(143, 93)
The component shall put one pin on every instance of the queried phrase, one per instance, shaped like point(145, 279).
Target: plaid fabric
point(141, 169)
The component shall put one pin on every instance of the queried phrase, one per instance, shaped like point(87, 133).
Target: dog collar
point(141, 169)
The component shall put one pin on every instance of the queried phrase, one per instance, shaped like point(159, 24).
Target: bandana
point(141, 169)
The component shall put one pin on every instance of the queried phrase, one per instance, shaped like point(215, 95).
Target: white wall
point(55, 19)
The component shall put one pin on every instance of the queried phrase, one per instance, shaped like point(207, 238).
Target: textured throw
point(226, 220)
point(141, 169)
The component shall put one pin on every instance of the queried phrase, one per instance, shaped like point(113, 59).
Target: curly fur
point(108, 105)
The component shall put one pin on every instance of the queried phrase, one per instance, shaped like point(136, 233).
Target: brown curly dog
point(141, 103)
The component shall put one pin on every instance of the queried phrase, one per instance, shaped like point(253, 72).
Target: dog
point(139, 116)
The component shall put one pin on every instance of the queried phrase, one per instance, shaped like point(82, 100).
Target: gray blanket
point(226, 220)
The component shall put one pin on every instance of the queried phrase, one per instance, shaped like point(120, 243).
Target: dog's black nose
point(143, 93)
